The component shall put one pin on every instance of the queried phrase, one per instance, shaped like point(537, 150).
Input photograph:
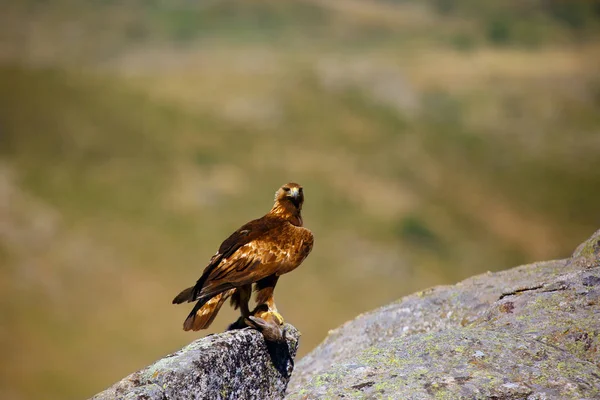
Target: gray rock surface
point(231, 365)
point(531, 332)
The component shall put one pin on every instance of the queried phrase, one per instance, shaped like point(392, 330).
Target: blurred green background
point(435, 140)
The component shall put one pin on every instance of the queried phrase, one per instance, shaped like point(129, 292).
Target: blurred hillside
point(435, 140)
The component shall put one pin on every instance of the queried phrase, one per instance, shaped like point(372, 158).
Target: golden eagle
point(257, 253)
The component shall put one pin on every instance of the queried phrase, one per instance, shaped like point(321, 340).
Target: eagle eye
point(286, 189)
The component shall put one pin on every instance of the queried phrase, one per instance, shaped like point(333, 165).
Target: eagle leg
point(240, 299)
point(265, 300)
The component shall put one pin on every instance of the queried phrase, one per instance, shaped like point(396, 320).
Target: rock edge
point(236, 364)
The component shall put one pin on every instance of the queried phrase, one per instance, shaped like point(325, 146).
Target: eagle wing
point(260, 248)
point(253, 261)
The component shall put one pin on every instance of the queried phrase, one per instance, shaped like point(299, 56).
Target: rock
point(532, 332)
point(237, 364)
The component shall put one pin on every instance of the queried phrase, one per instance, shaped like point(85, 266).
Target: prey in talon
point(257, 254)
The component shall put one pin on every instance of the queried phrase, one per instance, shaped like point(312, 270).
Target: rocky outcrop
point(237, 364)
point(532, 332)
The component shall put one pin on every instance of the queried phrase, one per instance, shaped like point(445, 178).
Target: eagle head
point(290, 193)
point(288, 202)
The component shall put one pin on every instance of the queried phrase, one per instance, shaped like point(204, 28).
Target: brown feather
point(185, 295)
point(206, 314)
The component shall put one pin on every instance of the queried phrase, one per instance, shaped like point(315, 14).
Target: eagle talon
point(270, 315)
point(277, 316)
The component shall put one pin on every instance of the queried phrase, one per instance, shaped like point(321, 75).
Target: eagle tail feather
point(185, 295)
point(205, 311)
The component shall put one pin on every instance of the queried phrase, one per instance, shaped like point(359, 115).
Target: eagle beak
point(294, 192)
